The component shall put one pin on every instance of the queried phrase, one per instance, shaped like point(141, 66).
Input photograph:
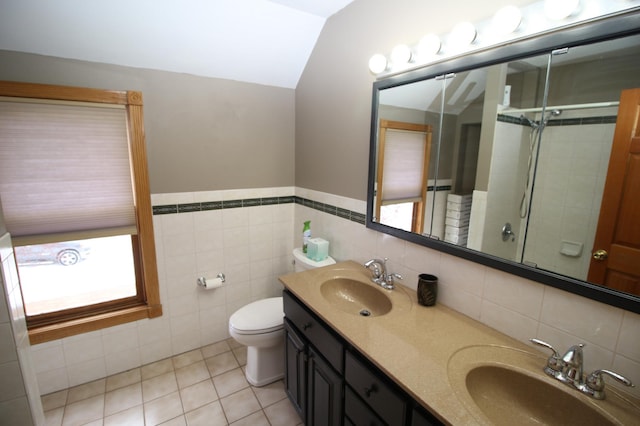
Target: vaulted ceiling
point(258, 41)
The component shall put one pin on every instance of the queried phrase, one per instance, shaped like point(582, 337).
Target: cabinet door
point(324, 393)
point(314, 330)
point(295, 372)
point(422, 418)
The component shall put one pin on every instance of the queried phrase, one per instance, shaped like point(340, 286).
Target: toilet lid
point(261, 316)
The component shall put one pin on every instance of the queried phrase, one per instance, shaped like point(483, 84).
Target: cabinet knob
point(371, 389)
point(306, 326)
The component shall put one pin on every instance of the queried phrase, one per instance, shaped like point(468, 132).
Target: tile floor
point(206, 386)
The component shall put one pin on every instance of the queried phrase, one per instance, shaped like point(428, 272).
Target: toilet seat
point(259, 317)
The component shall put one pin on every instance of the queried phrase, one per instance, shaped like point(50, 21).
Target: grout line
point(139, 381)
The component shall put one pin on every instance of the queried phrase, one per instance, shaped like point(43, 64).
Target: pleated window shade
point(65, 172)
point(403, 166)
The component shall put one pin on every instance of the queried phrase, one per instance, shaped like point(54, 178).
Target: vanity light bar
point(508, 24)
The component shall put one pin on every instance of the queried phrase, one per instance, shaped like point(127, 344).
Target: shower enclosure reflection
point(564, 156)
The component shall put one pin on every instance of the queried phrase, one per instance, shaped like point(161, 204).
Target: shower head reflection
point(535, 125)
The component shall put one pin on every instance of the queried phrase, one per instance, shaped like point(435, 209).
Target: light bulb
point(463, 34)
point(429, 45)
point(377, 63)
point(506, 20)
point(401, 54)
point(560, 9)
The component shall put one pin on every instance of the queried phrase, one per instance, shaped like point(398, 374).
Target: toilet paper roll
point(211, 283)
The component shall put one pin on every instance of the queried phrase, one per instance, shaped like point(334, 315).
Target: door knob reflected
point(600, 255)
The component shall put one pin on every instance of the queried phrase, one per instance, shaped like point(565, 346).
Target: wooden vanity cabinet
point(324, 392)
point(374, 391)
point(356, 412)
point(373, 399)
point(420, 417)
point(314, 364)
point(330, 383)
point(295, 374)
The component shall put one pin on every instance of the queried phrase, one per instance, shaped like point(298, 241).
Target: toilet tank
point(302, 262)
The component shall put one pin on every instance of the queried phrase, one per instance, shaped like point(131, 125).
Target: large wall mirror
point(525, 158)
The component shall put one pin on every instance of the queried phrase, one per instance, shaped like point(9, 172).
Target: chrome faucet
point(377, 267)
point(379, 273)
point(570, 370)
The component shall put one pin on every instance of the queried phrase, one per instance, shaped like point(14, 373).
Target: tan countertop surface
point(412, 344)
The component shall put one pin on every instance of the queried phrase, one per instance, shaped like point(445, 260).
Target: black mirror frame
point(606, 28)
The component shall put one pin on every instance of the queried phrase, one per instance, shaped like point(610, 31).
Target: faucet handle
point(392, 277)
point(377, 269)
point(554, 363)
point(546, 345)
point(596, 383)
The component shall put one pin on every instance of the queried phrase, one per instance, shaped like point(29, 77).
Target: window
point(403, 161)
point(72, 274)
point(75, 197)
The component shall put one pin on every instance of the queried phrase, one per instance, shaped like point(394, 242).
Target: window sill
point(60, 330)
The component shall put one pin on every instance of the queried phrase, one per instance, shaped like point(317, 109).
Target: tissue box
point(317, 249)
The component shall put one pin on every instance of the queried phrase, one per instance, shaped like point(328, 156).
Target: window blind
point(403, 166)
point(65, 171)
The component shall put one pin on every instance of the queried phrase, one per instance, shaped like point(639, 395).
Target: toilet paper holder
point(202, 281)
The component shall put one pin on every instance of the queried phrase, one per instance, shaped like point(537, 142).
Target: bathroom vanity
point(328, 380)
point(406, 364)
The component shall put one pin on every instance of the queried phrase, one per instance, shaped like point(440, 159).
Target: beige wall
point(210, 134)
point(333, 97)
point(202, 133)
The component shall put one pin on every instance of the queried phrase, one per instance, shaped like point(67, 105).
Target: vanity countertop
point(412, 344)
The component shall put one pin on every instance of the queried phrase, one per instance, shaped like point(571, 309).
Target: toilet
point(259, 326)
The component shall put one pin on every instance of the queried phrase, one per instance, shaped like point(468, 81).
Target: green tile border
point(254, 202)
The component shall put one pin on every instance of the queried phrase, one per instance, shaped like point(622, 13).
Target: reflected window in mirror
point(412, 107)
point(403, 166)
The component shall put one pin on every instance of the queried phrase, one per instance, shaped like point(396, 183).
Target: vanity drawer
point(313, 329)
point(374, 390)
point(357, 412)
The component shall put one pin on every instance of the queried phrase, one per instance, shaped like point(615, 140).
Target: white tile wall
point(572, 172)
point(252, 247)
point(19, 394)
point(509, 158)
point(515, 306)
point(476, 222)
point(570, 179)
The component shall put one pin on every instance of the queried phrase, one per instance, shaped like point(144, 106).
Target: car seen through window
point(66, 253)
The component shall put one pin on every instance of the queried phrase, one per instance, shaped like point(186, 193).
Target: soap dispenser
point(306, 234)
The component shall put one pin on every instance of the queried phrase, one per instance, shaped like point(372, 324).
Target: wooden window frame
point(146, 304)
point(417, 221)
